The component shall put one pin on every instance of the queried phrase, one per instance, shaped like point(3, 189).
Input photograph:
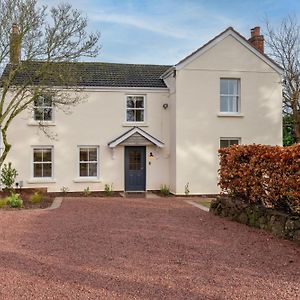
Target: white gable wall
point(198, 126)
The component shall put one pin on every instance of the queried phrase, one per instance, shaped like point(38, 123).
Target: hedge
point(267, 175)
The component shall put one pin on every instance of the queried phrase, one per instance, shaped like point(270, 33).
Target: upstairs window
point(43, 109)
point(43, 162)
point(88, 161)
point(229, 95)
point(135, 108)
point(227, 142)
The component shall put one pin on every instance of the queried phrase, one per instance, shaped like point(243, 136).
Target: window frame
point(44, 107)
point(239, 139)
point(88, 162)
point(144, 109)
point(47, 162)
point(238, 95)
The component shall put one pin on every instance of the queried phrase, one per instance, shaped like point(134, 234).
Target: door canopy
point(135, 137)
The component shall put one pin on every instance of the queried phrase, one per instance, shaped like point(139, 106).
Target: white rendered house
point(142, 126)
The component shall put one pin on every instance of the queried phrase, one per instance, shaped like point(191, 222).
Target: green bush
point(8, 175)
point(165, 190)
point(87, 191)
point(108, 190)
point(3, 202)
point(36, 198)
point(14, 201)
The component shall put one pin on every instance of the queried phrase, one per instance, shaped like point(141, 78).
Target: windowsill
point(86, 179)
point(135, 124)
point(42, 123)
point(41, 180)
point(236, 115)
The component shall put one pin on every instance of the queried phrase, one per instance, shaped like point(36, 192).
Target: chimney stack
point(15, 45)
point(256, 39)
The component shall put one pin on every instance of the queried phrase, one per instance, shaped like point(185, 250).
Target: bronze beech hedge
point(267, 175)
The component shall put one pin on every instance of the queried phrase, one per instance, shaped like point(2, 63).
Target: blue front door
point(135, 168)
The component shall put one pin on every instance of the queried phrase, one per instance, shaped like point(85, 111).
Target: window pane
point(39, 101)
point(93, 154)
point(83, 156)
point(47, 101)
point(233, 142)
point(47, 155)
point(130, 115)
point(224, 104)
point(224, 86)
point(139, 116)
point(37, 170)
point(139, 103)
point(39, 114)
point(47, 170)
point(93, 169)
point(231, 86)
point(83, 169)
point(224, 143)
point(47, 114)
point(37, 155)
point(130, 103)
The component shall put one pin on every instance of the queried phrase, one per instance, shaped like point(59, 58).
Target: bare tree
point(38, 51)
point(284, 44)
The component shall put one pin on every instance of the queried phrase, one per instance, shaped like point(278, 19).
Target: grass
point(205, 202)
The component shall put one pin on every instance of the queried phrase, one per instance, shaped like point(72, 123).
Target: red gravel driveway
point(141, 249)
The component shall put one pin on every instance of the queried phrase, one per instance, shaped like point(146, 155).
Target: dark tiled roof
point(95, 74)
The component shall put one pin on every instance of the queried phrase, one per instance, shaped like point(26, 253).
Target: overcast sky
point(165, 31)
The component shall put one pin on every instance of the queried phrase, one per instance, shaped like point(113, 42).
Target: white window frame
point(238, 95)
point(144, 109)
point(52, 162)
point(43, 107)
point(230, 139)
point(87, 162)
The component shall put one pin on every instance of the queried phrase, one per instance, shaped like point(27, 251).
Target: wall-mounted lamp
point(151, 157)
point(165, 105)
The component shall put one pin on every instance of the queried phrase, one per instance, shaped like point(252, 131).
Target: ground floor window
point(227, 142)
point(88, 161)
point(42, 162)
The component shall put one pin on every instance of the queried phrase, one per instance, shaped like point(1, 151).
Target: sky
point(165, 31)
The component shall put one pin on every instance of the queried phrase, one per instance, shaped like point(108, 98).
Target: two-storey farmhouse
point(142, 126)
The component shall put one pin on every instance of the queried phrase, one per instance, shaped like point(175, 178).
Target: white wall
point(198, 126)
point(96, 121)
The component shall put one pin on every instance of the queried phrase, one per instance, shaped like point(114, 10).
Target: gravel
point(98, 248)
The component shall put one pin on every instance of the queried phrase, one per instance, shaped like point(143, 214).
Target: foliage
point(283, 42)
point(3, 202)
point(53, 38)
point(8, 175)
point(14, 201)
point(64, 189)
point(108, 190)
point(187, 189)
point(35, 198)
point(87, 191)
point(288, 131)
point(165, 190)
point(267, 175)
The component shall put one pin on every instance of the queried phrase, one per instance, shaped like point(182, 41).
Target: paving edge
point(197, 205)
point(55, 204)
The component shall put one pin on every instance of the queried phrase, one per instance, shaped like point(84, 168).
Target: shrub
point(14, 201)
point(87, 191)
point(267, 175)
point(8, 175)
point(187, 189)
point(35, 198)
point(108, 190)
point(64, 189)
point(3, 202)
point(165, 190)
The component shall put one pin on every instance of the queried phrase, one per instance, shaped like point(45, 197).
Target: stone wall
point(280, 224)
